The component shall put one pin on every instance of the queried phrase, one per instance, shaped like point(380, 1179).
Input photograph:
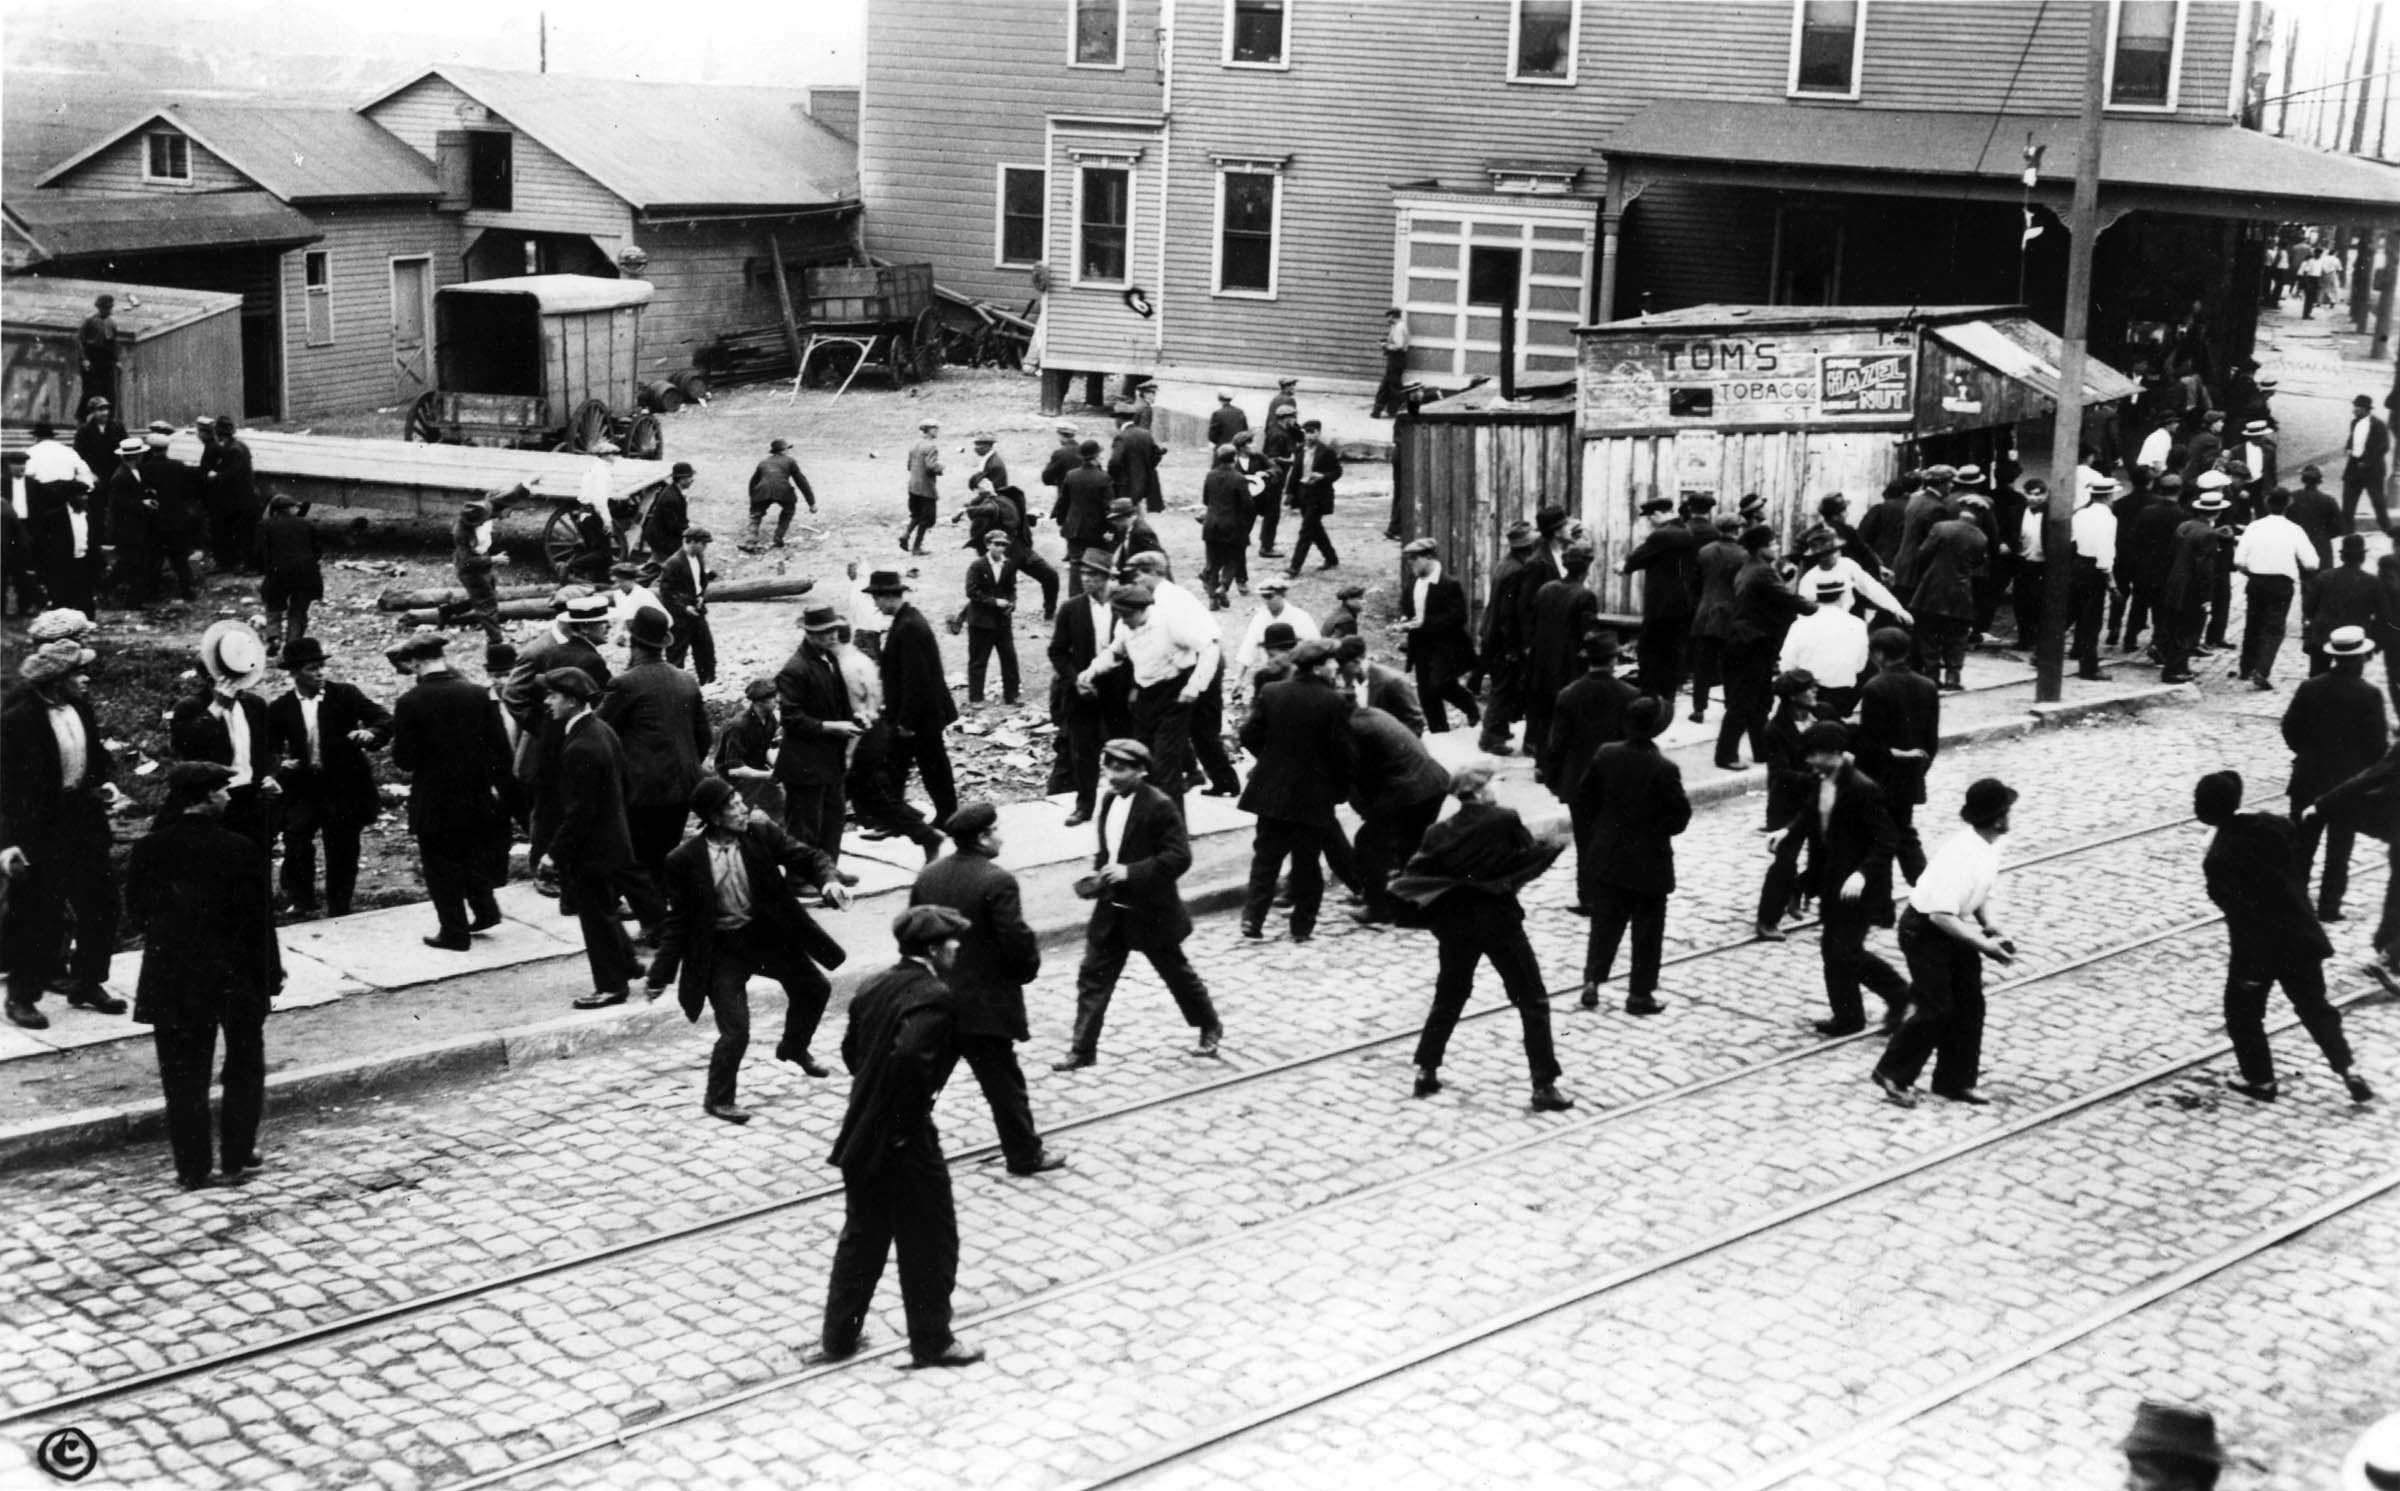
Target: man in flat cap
point(1507, 621)
point(1141, 852)
point(1342, 624)
point(744, 753)
point(1133, 461)
point(55, 798)
point(474, 554)
point(998, 955)
point(1084, 498)
point(1947, 932)
point(1084, 628)
point(593, 843)
point(1433, 626)
point(578, 621)
point(446, 735)
point(1225, 517)
point(1226, 420)
point(1298, 732)
point(900, 1047)
point(1316, 468)
point(819, 724)
point(733, 911)
point(924, 486)
point(774, 483)
point(319, 734)
point(196, 893)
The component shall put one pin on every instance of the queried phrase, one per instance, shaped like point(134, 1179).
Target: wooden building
point(1465, 468)
point(179, 352)
point(1227, 191)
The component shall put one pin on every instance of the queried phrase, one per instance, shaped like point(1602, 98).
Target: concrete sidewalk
point(368, 1009)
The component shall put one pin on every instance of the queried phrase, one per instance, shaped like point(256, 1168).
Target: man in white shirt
point(2157, 448)
point(57, 533)
point(866, 618)
point(633, 595)
point(1828, 566)
point(1829, 644)
point(1172, 663)
point(2275, 553)
point(1946, 933)
point(1274, 605)
point(2095, 530)
point(1389, 396)
point(1192, 620)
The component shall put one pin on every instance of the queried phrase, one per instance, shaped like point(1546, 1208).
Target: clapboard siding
point(550, 195)
point(954, 89)
point(356, 371)
point(117, 172)
point(704, 287)
point(1689, 244)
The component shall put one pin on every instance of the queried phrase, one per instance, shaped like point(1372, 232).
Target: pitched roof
point(298, 154)
point(670, 145)
point(142, 311)
point(2218, 168)
point(63, 225)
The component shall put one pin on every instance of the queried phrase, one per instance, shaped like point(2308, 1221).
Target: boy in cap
point(1345, 618)
point(774, 483)
point(1947, 932)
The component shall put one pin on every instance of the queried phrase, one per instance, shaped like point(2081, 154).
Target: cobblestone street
point(1730, 1264)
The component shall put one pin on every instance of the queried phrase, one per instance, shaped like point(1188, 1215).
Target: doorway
point(412, 296)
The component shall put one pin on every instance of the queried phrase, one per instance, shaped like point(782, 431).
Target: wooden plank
point(405, 475)
point(783, 299)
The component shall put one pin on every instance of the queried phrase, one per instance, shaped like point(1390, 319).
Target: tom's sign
point(1720, 381)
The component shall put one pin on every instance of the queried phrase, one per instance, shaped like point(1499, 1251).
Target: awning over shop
point(62, 226)
point(2028, 353)
point(2207, 170)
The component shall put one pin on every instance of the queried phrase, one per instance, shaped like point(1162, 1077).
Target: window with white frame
point(1463, 261)
point(1249, 203)
point(1096, 33)
point(1254, 32)
point(1827, 36)
point(1103, 224)
point(316, 285)
point(167, 156)
point(1541, 41)
point(1023, 229)
point(2144, 36)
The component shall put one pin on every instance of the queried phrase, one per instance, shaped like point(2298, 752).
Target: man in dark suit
point(292, 578)
point(319, 735)
point(682, 583)
point(1764, 608)
point(593, 843)
point(1298, 732)
point(1943, 601)
point(1433, 624)
point(669, 513)
point(1133, 461)
point(1225, 517)
point(992, 618)
point(1316, 467)
point(1129, 534)
point(2343, 595)
point(176, 524)
point(1084, 495)
point(1142, 851)
point(446, 735)
point(1398, 789)
point(917, 707)
point(1899, 733)
point(1665, 559)
point(580, 619)
point(819, 723)
point(1590, 713)
point(2335, 728)
point(732, 912)
point(1082, 628)
point(1849, 829)
point(998, 956)
point(2190, 580)
point(226, 723)
point(901, 1047)
point(653, 709)
point(1629, 806)
point(197, 894)
point(1501, 656)
point(2366, 464)
point(1377, 686)
point(2257, 881)
point(1564, 610)
point(55, 797)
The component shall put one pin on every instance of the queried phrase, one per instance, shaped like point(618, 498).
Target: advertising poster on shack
point(1725, 380)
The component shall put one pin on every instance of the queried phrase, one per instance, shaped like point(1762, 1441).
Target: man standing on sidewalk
point(1947, 932)
point(916, 695)
point(1667, 559)
point(2366, 464)
point(593, 844)
point(998, 955)
point(319, 735)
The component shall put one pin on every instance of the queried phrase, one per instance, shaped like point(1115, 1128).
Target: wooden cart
point(876, 313)
point(539, 362)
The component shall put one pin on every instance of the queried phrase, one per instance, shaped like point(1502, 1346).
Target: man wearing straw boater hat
point(55, 798)
point(2336, 728)
point(227, 723)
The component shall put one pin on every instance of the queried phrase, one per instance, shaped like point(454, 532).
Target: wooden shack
point(1796, 403)
point(1465, 468)
point(179, 352)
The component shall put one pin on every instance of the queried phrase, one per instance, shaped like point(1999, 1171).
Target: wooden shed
point(179, 352)
point(1465, 468)
point(1796, 403)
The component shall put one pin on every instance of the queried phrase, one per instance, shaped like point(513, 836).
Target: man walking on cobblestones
point(2335, 728)
point(1947, 932)
point(1299, 734)
point(1845, 817)
point(2255, 879)
point(901, 1048)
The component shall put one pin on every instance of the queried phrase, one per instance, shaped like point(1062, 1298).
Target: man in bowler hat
point(319, 735)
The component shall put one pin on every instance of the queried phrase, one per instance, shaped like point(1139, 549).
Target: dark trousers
point(1030, 562)
point(1749, 680)
point(1910, 856)
point(2220, 600)
point(1270, 514)
point(1842, 945)
point(2269, 599)
point(982, 642)
point(287, 610)
point(185, 1053)
point(2026, 600)
point(2339, 839)
point(1228, 565)
point(1208, 739)
point(1942, 642)
point(1470, 926)
point(869, 785)
point(2090, 599)
point(1504, 702)
point(1614, 908)
point(605, 945)
point(454, 865)
point(1312, 535)
point(2303, 981)
point(656, 828)
point(1780, 889)
point(68, 880)
point(1163, 722)
point(2149, 608)
point(2387, 926)
point(2119, 600)
point(1541, 706)
point(1658, 657)
point(693, 638)
point(732, 961)
point(903, 1203)
point(2178, 634)
point(813, 813)
point(2356, 483)
point(1082, 734)
point(1388, 395)
point(1945, 1010)
point(1104, 953)
point(1708, 670)
point(481, 608)
point(993, 1060)
point(929, 753)
point(305, 821)
point(1388, 840)
point(1304, 844)
point(1439, 683)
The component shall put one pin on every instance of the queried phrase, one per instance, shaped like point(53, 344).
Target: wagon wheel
point(588, 425)
point(643, 440)
point(560, 541)
point(900, 358)
point(424, 420)
point(926, 343)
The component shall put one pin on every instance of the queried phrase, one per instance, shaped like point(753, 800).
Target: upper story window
point(1827, 38)
point(1096, 33)
point(1248, 203)
point(1254, 33)
point(2145, 38)
point(1103, 224)
point(166, 157)
point(1541, 41)
point(491, 170)
point(1024, 214)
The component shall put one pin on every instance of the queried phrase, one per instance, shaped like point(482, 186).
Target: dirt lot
point(854, 450)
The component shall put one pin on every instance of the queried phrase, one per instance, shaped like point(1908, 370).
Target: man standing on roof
point(776, 481)
point(97, 344)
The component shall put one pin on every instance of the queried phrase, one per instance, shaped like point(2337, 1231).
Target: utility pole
point(541, 21)
point(2066, 439)
point(2366, 81)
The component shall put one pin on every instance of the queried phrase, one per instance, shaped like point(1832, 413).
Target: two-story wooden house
point(1224, 190)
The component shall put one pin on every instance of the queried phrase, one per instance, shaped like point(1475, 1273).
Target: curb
point(90, 1130)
